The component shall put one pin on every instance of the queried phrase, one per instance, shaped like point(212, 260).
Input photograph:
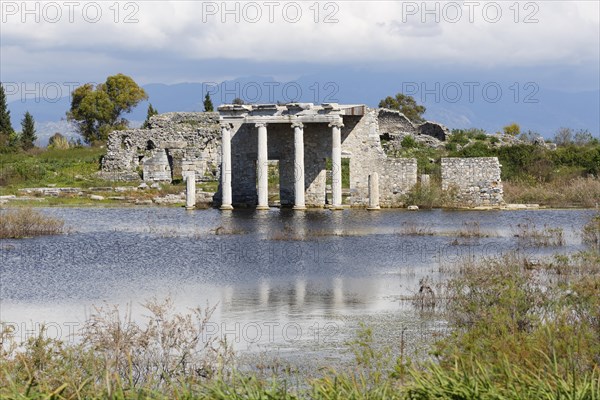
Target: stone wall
point(174, 144)
point(476, 181)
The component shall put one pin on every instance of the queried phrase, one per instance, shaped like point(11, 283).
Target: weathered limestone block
point(156, 168)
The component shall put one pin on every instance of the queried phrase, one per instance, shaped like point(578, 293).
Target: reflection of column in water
point(338, 292)
point(264, 292)
point(299, 225)
point(300, 291)
point(337, 222)
point(262, 223)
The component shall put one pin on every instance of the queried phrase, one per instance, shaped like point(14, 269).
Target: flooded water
point(297, 283)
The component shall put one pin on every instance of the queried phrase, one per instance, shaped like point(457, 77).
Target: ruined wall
point(174, 144)
point(475, 180)
point(360, 144)
point(177, 143)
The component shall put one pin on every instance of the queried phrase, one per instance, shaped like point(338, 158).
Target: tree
point(98, 111)
point(208, 105)
point(563, 137)
point(151, 111)
point(238, 101)
point(512, 130)
point(28, 136)
point(7, 132)
point(406, 105)
point(58, 141)
point(584, 138)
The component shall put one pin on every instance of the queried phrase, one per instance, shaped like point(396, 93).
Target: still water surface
point(293, 282)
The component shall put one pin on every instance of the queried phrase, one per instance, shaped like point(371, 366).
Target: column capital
point(297, 124)
point(336, 124)
point(226, 125)
point(260, 125)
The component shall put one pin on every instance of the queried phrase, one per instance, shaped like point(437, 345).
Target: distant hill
point(554, 109)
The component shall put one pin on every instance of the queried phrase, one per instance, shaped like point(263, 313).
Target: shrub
point(459, 137)
point(22, 223)
point(408, 142)
point(591, 232)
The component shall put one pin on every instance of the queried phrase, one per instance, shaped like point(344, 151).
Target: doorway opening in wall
point(274, 187)
point(345, 179)
point(175, 167)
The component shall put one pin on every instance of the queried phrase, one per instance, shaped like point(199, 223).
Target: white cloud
point(366, 32)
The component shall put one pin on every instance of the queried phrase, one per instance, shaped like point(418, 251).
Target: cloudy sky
point(555, 44)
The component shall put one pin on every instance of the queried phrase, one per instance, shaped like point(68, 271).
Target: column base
point(226, 207)
point(299, 208)
point(336, 208)
point(373, 208)
point(190, 208)
point(262, 208)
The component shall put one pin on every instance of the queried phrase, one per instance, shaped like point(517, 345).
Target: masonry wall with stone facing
point(476, 181)
point(174, 145)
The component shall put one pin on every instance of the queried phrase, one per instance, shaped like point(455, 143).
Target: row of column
point(263, 166)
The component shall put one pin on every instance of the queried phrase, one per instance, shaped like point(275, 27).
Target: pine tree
point(208, 105)
point(151, 111)
point(28, 136)
point(6, 129)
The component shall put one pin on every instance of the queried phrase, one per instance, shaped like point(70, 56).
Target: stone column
point(226, 166)
point(336, 164)
point(299, 202)
point(425, 181)
point(190, 194)
point(263, 168)
point(373, 192)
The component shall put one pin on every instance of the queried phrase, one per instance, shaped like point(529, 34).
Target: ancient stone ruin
point(173, 145)
point(312, 147)
point(475, 181)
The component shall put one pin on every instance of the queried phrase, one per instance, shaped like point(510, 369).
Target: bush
point(459, 137)
point(477, 149)
point(591, 233)
point(22, 223)
point(408, 142)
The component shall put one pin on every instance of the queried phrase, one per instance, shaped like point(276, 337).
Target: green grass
point(64, 168)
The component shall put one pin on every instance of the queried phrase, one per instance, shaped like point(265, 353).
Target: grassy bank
point(565, 177)
point(74, 167)
point(576, 192)
point(516, 328)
